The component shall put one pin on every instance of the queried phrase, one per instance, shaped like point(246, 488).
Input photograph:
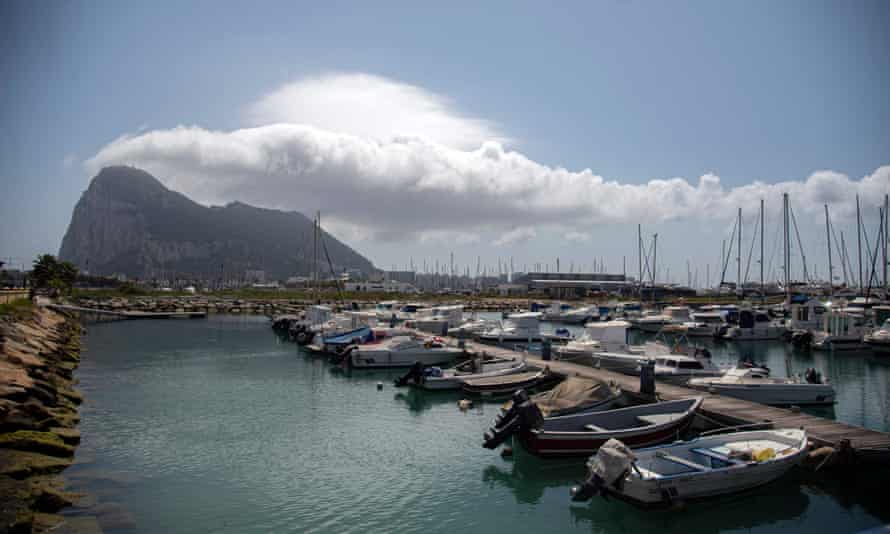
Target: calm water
point(217, 426)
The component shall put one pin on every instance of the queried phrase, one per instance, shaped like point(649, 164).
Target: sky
point(497, 131)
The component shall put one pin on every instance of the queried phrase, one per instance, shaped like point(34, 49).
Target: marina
point(298, 401)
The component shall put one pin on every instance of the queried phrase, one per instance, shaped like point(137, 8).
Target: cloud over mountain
point(428, 171)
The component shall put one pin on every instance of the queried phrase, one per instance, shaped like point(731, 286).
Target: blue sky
point(633, 91)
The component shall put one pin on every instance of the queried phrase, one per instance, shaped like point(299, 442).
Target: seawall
point(39, 351)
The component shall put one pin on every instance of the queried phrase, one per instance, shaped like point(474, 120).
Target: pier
point(868, 444)
point(122, 315)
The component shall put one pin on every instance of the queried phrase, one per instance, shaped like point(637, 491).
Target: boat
point(574, 394)
point(399, 351)
point(563, 313)
point(705, 324)
point(583, 433)
point(516, 327)
point(653, 323)
point(843, 329)
point(879, 340)
point(498, 386)
point(755, 384)
point(438, 319)
point(597, 337)
point(679, 368)
point(806, 316)
point(755, 325)
point(473, 327)
point(434, 378)
point(704, 467)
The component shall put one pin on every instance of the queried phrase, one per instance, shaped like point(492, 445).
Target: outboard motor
point(546, 348)
point(520, 417)
point(812, 376)
point(414, 374)
point(611, 463)
point(647, 377)
point(720, 331)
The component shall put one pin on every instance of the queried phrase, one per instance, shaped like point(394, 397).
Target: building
point(406, 277)
point(384, 286)
point(573, 285)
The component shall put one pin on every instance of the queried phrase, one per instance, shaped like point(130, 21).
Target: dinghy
point(703, 467)
point(506, 385)
point(583, 433)
point(434, 378)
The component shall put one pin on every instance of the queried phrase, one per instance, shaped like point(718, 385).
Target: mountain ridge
point(127, 222)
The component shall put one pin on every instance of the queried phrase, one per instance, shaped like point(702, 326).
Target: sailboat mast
point(884, 240)
point(762, 289)
point(828, 240)
point(640, 255)
point(739, 257)
point(787, 251)
point(859, 237)
point(654, 257)
point(315, 256)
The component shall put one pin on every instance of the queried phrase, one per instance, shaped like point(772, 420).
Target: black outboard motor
point(520, 417)
point(414, 374)
point(588, 489)
point(812, 376)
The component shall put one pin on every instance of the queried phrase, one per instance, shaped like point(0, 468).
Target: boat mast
point(654, 257)
point(738, 279)
point(787, 251)
point(762, 289)
point(859, 236)
point(830, 268)
point(315, 255)
point(640, 255)
point(884, 240)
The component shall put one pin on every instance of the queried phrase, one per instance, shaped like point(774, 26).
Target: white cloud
point(517, 235)
point(428, 185)
point(578, 237)
point(372, 107)
point(69, 160)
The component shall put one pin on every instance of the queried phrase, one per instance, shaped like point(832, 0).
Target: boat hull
point(561, 445)
point(390, 359)
point(777, 396)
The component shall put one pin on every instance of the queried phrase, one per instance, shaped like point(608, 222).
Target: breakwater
point(39, 351)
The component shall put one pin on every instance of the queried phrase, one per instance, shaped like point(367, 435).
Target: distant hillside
point(128, 222)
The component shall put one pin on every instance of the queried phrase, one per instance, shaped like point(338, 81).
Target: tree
point(49, 273)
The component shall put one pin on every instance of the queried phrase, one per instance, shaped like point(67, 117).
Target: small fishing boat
point(879, 340)
point(506, 385)
point(755, 384)
point(583, 433)
point(703, 467)
point(434, 378)
point(572, 395)
point(399, 351)
point(438, 319)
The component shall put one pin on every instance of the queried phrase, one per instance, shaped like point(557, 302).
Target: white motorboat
point(843, 329)
point(679, 368)
point(755, 325)
point(608, 336)
point(387, 310)
point(879, 340)
point(755, 384)
point(438, 319)
point(400, 351)
point(704, 467)
point(521, 327)
point(807, 316)
point(563, 313)
point(655, 322)
point(705, 324)
point(473, 327)
point(434, 378)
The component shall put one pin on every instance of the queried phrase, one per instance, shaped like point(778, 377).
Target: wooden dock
point(727, 410)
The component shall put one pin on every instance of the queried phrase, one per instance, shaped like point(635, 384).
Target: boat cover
point(572, 394)
point(611, 462)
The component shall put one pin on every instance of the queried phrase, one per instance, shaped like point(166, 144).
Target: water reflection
point(528, 477)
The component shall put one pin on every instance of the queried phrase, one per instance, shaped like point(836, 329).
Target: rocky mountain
point(128, 222)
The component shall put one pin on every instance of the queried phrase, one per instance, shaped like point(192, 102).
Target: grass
point(17, 309)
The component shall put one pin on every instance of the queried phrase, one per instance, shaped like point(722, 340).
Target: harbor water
point(216, 425)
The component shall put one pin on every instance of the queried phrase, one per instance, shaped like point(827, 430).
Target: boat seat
point(717, 456)
point(594, 428)
point(658, 418)
point(682, 461)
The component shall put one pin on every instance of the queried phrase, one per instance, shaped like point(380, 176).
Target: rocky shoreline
point(39, 352)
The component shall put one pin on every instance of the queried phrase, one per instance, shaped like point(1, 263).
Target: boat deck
point(727, 410)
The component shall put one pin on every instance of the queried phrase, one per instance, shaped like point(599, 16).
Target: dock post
point(647, 377)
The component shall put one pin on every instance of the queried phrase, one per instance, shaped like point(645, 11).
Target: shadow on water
point(527, 477)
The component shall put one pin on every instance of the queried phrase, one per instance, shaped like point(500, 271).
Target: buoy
point(379, 386)
point(465, 404)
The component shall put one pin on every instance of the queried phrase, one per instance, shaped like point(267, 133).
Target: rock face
point(127, 222)
point(38, 418)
